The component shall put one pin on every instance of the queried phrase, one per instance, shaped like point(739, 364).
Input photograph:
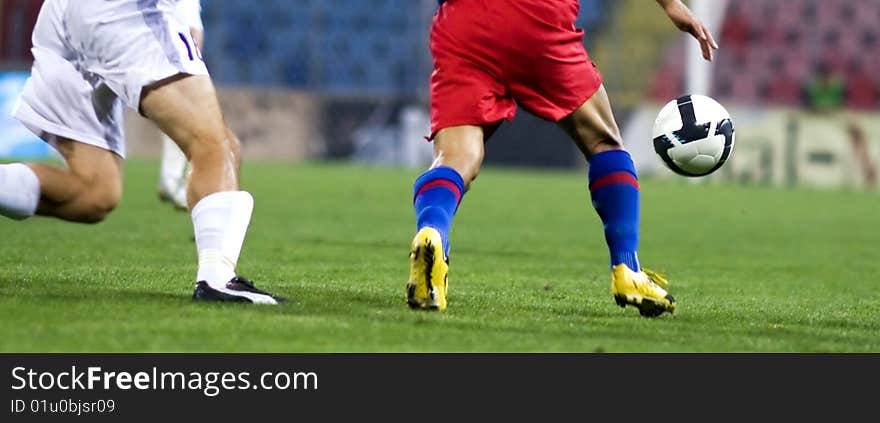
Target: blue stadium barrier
point(375, 46)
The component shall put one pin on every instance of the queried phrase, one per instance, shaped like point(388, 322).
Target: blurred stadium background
point(347, 80)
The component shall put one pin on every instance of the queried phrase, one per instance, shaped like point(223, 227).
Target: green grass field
point(754, 270)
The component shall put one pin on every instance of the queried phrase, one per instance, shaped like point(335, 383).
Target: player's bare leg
point(458, 156)
point(614, 189)
point(461, 148)
point(84, 191)
point(186, 108)
point(592, 126)
point(174, 166)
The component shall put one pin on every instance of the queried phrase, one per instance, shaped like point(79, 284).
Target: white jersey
point(93, 57)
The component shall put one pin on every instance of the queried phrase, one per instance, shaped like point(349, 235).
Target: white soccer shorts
point(190, 13)
point(93, 57)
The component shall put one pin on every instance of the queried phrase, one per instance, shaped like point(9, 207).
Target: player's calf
point(92, 206)
point(592, 126)
point(460, 148)
point(187, 110)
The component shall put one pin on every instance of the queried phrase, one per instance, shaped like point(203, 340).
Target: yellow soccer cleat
point(428, 269)
point(644, 290)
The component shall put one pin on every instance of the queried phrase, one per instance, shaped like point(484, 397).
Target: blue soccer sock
point(437, 194)
point(614, 187)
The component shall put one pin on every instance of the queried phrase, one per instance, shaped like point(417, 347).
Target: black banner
point(326, 387)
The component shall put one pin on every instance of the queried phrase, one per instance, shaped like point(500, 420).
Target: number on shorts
point(189, 48)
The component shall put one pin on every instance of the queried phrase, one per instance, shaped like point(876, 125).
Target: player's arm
point(682, 17)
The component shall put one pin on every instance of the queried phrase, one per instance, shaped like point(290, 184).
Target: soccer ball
point(694, 136)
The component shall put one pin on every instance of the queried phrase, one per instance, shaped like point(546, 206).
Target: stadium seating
point(771, 49)
point(625, 48)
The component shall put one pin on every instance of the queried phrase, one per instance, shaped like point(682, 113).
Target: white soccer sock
point(172, 170)
point(19, 191)
point(220, 221)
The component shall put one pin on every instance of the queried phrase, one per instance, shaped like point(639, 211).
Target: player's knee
point(99, 203)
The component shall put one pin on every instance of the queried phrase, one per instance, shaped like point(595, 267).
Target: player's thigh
point(186, 108)
point(592, 126)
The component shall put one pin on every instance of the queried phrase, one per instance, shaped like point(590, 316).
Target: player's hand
point(682, 17)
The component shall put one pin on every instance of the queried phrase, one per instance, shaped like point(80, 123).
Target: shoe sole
point(423, 257)
point(647, 306)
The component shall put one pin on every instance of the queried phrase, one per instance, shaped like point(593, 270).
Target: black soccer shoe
point(238, 290)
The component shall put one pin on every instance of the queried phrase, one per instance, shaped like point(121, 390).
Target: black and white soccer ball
point(694, 135)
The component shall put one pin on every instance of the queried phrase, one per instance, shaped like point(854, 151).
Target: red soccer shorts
point(492, 55)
